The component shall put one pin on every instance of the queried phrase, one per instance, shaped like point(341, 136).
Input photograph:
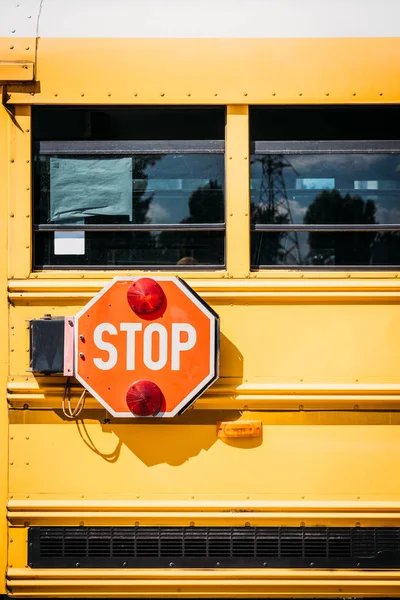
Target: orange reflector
point(236, 429)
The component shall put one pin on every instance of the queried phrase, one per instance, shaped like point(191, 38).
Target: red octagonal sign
point(146, 346)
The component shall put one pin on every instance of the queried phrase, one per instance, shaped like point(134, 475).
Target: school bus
point(252, 150)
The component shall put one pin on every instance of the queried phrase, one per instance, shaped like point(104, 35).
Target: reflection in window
point(141, 202)
point(355, 193)
point(140, 189)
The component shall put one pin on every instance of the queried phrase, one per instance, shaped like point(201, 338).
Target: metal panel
point(132, 227)
point(16, 71)
point(220, 18)
point(207, 583)
point(300, 461)
point(326, 147)
point(210, 71)
point(4, 334)
point(133, 147)
point(68, 369)
point(237, 191)
point(213, 547)
point(19, 19)
point(19, 216)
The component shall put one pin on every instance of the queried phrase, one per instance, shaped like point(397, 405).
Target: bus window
point(120, 188)
point(324, 202)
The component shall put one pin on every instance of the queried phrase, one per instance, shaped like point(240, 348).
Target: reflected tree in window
point(206, 205)
point(340, 248)
point(141, 197)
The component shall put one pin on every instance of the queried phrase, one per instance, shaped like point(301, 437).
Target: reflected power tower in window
point(273, 198)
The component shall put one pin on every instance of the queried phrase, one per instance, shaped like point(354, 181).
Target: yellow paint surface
point(209, 71)
point(313, 356)
point(16, 71)
point(4, 139)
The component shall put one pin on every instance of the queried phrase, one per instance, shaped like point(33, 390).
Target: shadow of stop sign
point(146, 346)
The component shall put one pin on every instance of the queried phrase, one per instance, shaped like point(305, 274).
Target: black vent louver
point(213, 547)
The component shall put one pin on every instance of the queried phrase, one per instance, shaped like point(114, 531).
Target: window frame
point(324, 147)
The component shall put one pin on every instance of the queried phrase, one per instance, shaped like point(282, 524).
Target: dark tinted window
point(326, 202)
point(129, 201)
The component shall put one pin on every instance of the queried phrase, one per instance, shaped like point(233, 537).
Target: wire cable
point(69, 412)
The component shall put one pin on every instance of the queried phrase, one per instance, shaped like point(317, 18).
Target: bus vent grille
point(214, 547)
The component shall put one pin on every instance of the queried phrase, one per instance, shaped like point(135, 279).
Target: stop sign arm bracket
point(69, 362)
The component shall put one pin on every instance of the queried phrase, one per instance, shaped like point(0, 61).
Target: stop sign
point(146, 346)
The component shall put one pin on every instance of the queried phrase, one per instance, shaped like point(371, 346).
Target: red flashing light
point(144, 398)
point(145, 296)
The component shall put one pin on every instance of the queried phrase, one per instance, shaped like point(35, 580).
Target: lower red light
point(145, 296)
point(144, 398)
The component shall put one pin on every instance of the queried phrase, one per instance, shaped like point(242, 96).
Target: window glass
point(125, 190)
point(325, 186)
point(320, 190)
point(145, 188)
point(326, 249)
point(184, 249)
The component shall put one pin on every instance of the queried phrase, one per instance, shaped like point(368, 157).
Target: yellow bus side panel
point(4, 140)
point(213, 71)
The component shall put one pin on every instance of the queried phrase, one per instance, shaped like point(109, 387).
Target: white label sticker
point(69, 242)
